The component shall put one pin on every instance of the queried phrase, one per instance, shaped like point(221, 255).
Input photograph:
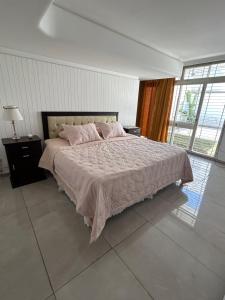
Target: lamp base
point(14, 137)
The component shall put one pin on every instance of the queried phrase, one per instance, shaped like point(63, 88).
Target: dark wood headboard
point(62, 118)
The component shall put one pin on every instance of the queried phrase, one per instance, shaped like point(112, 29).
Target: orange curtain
point(154, 106)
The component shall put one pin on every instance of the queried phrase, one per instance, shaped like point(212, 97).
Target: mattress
point(104, 177)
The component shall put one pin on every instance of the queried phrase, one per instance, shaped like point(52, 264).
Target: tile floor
point(171, 247)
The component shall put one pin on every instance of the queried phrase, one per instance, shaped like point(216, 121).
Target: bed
point(104, 177)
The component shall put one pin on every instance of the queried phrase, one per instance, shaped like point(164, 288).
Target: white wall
point(36, 85)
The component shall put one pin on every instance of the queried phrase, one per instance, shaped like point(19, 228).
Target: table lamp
point(12, 114)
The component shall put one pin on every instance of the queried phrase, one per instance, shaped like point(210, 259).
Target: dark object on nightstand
point(132, 130)
point(23, 157)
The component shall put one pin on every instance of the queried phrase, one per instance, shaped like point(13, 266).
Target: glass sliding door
point(184, 111)
point(211, 119)
point(198, 110)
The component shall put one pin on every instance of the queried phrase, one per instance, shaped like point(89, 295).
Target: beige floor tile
point(11, 200)
point(52, 297)
point(108, 278)
point(166, 270)
point(22, 273)
point(196, 245)
point(210, 223)
point(161, 205)
point(64, 240)
point(41, 191)
point(121, 226)
point(215, 190)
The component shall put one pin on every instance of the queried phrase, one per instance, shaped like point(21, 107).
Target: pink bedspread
point(103, 178)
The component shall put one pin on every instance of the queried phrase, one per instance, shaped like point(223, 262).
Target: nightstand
point(23, 157)
point(132, 130)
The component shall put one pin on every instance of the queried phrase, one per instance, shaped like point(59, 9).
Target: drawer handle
point(24, 147)
point(27, 155)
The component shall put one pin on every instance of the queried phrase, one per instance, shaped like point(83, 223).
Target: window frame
point(204, 81)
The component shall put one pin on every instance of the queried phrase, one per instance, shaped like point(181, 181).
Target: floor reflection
point(194, 191)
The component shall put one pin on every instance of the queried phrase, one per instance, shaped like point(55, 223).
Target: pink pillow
point(80, 134)
point(110, 130)
point(62, 134)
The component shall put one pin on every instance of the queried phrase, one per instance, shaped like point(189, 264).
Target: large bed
point(104, 177)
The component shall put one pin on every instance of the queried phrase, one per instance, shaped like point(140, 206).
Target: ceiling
point(185, 29)
point(145, 38)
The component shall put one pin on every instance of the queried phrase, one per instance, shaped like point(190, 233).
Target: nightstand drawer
point(25, 150)
point(24, 164)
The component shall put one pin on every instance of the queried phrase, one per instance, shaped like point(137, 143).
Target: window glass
point(214, 70)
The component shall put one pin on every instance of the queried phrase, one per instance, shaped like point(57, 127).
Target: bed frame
point(52, 120)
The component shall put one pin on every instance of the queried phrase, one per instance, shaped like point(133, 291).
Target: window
point(198, 110)
point(206, 71)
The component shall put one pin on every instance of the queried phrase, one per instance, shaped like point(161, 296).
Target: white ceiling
point(130, 35)
point(185, 29)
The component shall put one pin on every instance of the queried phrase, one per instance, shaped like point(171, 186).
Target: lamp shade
point(12, 113)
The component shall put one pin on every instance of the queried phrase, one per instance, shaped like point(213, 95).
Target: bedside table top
point(130, 127)
point(23, 139)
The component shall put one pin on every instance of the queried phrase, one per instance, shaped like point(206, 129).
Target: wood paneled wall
point(36, 85)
